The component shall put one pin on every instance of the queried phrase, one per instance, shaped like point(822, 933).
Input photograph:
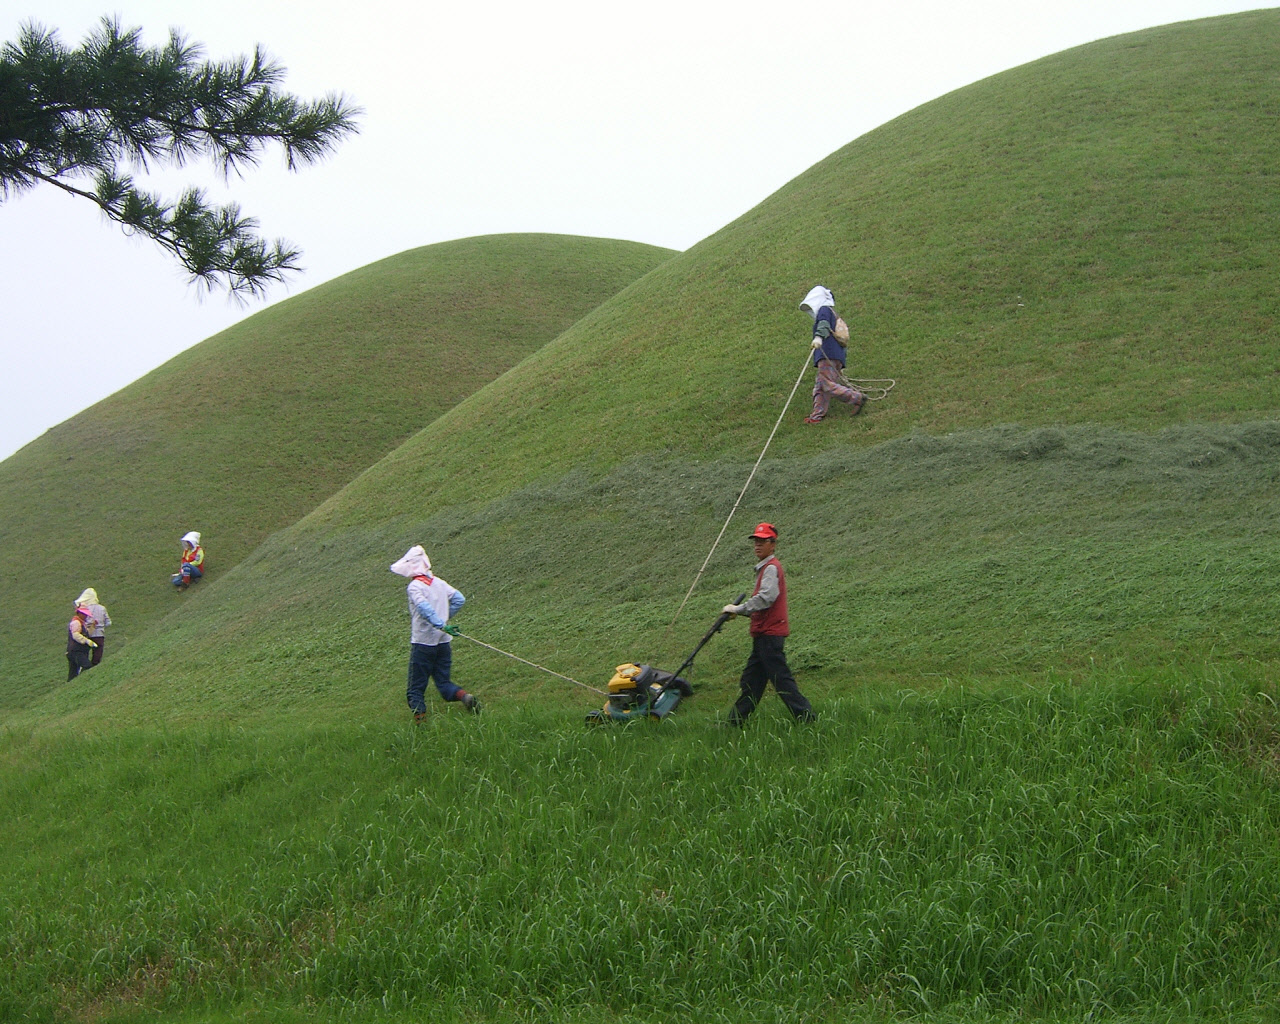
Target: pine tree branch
point(113, 101)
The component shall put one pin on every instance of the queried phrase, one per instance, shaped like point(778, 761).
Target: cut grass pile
point(243, 434)
point(1060, 851)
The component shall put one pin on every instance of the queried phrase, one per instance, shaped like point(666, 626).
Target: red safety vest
point(772, 621)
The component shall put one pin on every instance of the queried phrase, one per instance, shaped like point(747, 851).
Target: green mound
point(1085, 239)
point(246, 432)
point(1099, 188)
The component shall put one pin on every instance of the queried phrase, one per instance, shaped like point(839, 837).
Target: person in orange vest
point(767, 607)
point(192, 567)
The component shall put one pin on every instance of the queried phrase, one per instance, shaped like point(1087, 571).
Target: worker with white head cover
point(828, 355)
point(192, 566)
point(432, 603)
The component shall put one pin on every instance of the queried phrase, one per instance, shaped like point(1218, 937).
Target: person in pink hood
point(79, 643)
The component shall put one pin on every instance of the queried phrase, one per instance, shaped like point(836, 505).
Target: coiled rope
point(868, 385)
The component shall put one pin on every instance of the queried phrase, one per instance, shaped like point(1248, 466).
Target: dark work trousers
point(95, 653)
point(77, 661)
point(768, 664)
point(425, 662)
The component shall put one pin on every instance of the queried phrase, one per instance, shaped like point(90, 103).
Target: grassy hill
point(1031, 599)
point(1078, 246)
point(243, 434)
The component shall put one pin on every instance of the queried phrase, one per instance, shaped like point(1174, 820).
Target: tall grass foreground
point(1048, 849)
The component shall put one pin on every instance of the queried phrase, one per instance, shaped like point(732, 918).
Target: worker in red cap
point(767, 607)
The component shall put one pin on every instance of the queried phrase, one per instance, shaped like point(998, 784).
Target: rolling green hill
point(241, 435)
point(1081, 246)
point(1032, 599)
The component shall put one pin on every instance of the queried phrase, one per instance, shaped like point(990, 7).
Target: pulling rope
point(531, 664)
point(743, 491)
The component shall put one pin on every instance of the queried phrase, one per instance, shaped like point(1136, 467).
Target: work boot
point(419, 717)
point(470, 703)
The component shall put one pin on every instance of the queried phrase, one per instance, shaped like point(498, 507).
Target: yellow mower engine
point(641, 691)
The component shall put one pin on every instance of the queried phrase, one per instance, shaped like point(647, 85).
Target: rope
point(733, 510)
point(871, 384)
point(531, 664)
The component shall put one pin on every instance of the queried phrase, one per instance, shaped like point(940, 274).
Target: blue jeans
point(425, 662)
point(189, 572)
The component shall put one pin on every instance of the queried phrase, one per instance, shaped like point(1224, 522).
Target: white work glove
point(816, 343)
point(733, 609)
point(90, 642)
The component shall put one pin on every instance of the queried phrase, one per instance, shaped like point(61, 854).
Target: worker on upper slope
point(432, 603)
point(192, 567)
point(99, 621)
point(828, 355)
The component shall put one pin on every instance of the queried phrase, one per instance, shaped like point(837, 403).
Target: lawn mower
point(642, 691)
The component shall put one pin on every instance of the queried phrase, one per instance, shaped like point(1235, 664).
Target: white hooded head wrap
point(90, 596)
point(414, 563)
point(818, 297)
point(191, 538)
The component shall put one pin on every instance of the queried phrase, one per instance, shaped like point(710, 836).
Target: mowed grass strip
point(1084, 239)
point(973, 556)
point(1061, 851)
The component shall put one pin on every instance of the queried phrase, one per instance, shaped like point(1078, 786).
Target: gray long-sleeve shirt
point(768, 592)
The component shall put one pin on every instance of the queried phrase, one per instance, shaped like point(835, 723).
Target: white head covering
point(818, 297)
point(414, 563)
point(191, 538)
point(90, 596)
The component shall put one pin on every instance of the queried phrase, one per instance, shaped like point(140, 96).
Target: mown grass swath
point(1031, 599)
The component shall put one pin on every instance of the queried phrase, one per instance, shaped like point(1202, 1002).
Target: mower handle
point(715, 628)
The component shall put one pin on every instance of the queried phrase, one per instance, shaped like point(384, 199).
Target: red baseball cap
point(766, 531)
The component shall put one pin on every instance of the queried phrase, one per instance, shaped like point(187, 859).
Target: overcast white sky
point(658, 121)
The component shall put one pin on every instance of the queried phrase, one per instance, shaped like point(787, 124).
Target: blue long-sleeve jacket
point(824, 327)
